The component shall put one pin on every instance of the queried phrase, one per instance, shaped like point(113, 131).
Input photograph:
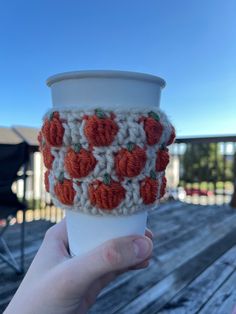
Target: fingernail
point(141, 247)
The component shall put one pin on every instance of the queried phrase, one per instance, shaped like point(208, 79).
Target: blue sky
point(191, 44)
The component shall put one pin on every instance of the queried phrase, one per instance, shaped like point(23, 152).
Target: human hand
point(58, 283)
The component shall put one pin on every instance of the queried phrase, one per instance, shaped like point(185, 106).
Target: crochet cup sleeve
point(104, 162)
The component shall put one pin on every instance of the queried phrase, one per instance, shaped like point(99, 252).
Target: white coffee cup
point(108, 90)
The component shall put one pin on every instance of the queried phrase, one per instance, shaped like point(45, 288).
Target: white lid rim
point(105, 74)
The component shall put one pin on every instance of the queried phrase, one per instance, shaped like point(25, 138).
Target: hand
point(57, 283)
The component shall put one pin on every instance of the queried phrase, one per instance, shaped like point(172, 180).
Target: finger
point(143, 264)
point(56, 238)
point(58, 231)
point(138, 266)
point(148, 233)
point(114, 255)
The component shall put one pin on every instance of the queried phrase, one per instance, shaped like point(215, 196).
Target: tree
point(203, 162)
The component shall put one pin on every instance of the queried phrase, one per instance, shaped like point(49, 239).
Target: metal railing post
point(22, 262)
point(233, 200)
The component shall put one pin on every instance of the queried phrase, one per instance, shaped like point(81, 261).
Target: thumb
point(113, 255)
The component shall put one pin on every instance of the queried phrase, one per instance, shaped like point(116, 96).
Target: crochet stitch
point(105, 162)
point(162, 159)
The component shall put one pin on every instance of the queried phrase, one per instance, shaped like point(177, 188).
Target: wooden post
point(233, 200)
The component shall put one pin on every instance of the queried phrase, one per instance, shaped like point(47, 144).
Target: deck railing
point(202, 170)
point(205, 169)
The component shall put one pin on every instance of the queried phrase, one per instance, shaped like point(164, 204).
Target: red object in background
point(197, 191)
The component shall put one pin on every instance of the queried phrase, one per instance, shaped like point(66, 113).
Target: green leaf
point(153, 175)
point(163, 147)
point(77, 147)
point(51, 116)
point(154, 115)
point(61, 177)
point(130, 146)
point(100, 113)
point(107, 179)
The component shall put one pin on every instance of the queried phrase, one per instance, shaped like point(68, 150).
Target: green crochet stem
point(154, 115)
point(107, 179)
point(130, 146)
point(77, 147)
point(153, 175)
point(100, 113)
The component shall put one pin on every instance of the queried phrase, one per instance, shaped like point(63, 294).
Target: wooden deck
point(192, 270)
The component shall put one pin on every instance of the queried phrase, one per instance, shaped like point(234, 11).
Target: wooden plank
point(12, 234)
point(145, 279)
point(9, 281)
point(194, 296)
point(158, 295)
point(15, 246)
point(184, 223)
point(123, 279)
point(224, 299)
point(34, 234)
point(161, 224)
point(12, 281)
point(192, 236)
point(181, 236)
point(168, 208)
point(29, 250)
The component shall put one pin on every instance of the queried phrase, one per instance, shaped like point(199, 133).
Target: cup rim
point(105, 74)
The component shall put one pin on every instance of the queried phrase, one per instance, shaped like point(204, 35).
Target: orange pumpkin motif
point(172, 136)
point(153, 128)
point(79, 162)
point(107, 194)
point(40, 140)
point(149, 189)
point(162, 159)
point(53, 130)
point(130, 161)
point(48, 158)
point(46, 180)
point(99, 129)
point(163, 187)
point(64, 191)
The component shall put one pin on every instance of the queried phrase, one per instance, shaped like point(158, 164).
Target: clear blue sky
point(191, 44)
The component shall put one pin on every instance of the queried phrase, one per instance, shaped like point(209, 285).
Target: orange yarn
point(99, 129)
point(107, 194)
point(162, 159)
point(130, 162)
point(65, 192)
point(148, 189)
point(46, 180)
point(172, 136)
point(48, 158)
point(153, 128)
point(40, 140)
point(79, 162)
point(53, 130)
point(163, 187)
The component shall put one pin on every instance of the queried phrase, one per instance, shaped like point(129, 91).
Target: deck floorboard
point(192, 269)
